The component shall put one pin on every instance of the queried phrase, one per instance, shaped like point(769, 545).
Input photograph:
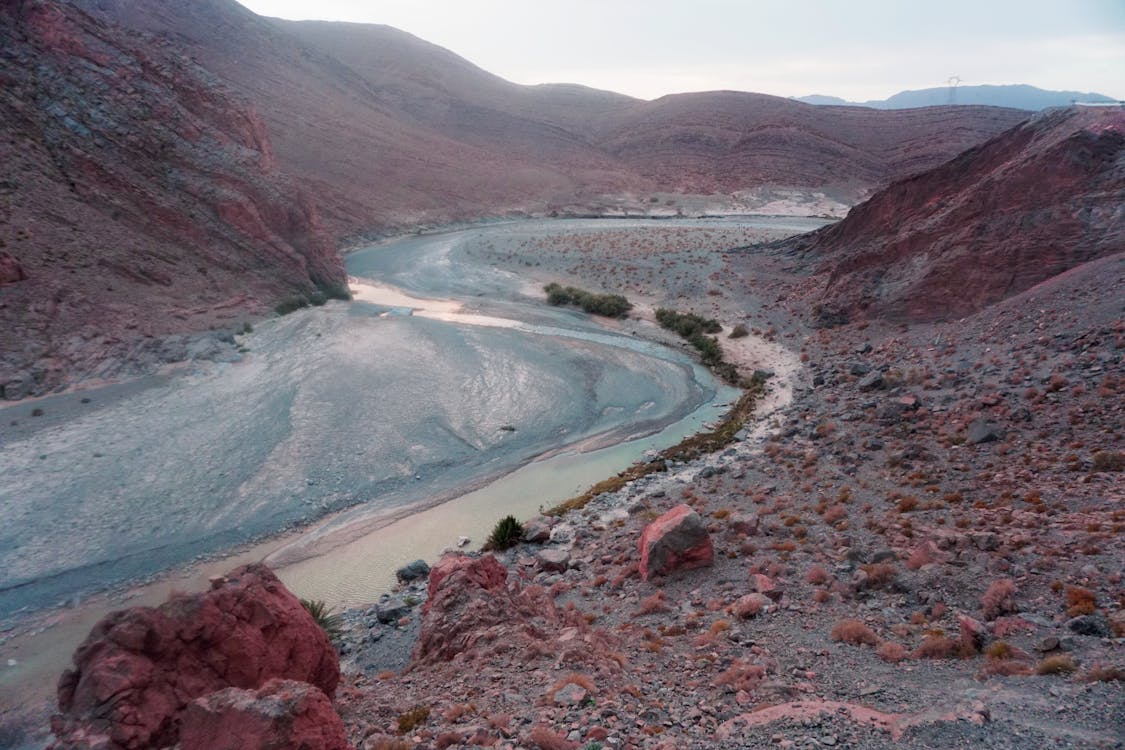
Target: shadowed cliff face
point(1034, 202)
point(140, 198)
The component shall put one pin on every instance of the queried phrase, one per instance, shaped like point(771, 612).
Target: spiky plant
point(505, 534)
point(328, 621)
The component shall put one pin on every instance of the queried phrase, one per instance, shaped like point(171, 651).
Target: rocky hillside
point(431, 137)
point(1038, 200)
point(176, 167)
point(140, 198)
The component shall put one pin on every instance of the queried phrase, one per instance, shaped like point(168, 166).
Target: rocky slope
point(141, 198)
point(175, 167)
point(1028, 205)
point(432, 137)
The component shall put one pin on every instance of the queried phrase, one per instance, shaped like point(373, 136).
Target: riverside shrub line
point(694, 330)
point(609, 305)
point(689, 448)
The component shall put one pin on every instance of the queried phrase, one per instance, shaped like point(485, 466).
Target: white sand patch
point(444, 310)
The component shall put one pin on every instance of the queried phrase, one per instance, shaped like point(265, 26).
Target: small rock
point(556, 560)
point(571, 695)
point(871, 381)
point(413, 571)
point(392, 610)
point(1050, 643)
point(538, 529)
point(1095, 625)
point(676, 540)
point(982, 431)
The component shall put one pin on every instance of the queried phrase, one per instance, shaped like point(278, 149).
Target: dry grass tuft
point(998, 599)
point(546, 739)
point(891, 652)
point(1080, 601)
point(938, 647)
point(1056, 664)
point(853, 632)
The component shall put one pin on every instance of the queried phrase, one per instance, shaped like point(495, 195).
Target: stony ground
point(924, 552)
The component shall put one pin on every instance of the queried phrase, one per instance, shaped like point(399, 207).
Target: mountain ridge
point(1017, 96)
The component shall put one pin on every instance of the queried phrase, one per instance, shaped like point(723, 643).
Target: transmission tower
point(953, 81)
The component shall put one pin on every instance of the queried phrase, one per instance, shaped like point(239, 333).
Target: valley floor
point(939, 545)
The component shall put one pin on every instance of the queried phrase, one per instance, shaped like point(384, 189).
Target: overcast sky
point(863, 49)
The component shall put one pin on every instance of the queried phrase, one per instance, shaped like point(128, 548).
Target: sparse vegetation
point(608, 305)
point(739, 332)
point(1056, 664)
point(694, 329)
point(853, 632)
point(412, 719)
point(328, 621)
point(505, 534)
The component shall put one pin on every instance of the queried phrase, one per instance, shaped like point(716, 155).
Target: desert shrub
point(546, 739)
point(741, 675)
point(1104, 674)
point(1109, 461)
point(413, 718)
point(891, 652)
point(738, 332)
point(1004, 668)
point(1080, 601)
point(879, 575)
point(686, 324)
point(505, 534)
point(652, 604)
point(817, 575)
point(998, 599)
point(328, 621)
point(290, 304)
point(936, 646)
point(608, 305)
point(1056, 664)
point(998, 650)
point(853, 632)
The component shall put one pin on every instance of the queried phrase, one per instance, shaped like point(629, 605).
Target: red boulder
point(676, 540)
point(281, 715)
point(140, 668)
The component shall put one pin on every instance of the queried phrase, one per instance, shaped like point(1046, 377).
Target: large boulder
point(138, 670)
point(473, 610)
point(281, 715)
point(676, 540)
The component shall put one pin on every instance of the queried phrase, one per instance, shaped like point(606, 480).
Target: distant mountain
point(1015, 96)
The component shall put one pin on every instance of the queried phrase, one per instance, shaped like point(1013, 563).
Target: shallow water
point(335, 408)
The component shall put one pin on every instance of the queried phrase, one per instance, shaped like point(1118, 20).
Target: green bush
point(609, 305)
point(290, 304)
point(686, 324)
point(329, 622)
point(507, 533)
point(739, 332)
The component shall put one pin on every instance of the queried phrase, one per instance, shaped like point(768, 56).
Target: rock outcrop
point(281, 715)
point(474, 607)
point(140, 198)
point(139, 669)
point(677, 540)
point(1038, 200)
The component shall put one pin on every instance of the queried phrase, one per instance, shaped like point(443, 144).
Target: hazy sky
point(862, 49)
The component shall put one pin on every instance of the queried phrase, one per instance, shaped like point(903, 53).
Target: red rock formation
point(280, 715)
point(473, 608)
point(138, 670)
point(1040, 199)
point(140, 197)
point(677, 540)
